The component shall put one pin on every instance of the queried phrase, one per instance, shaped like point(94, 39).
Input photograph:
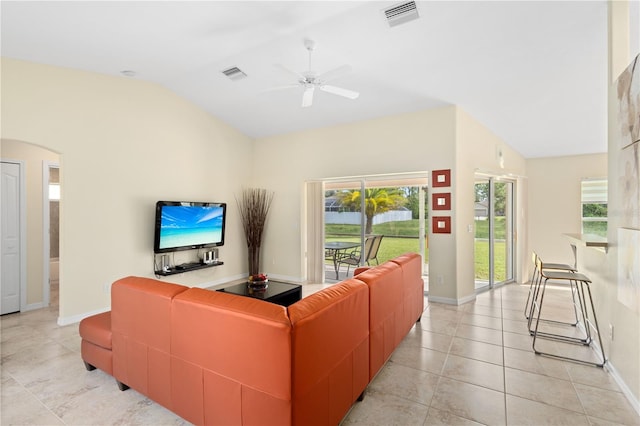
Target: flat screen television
point(184, 225)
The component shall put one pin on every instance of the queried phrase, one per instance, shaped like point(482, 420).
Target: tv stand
point(187, 267)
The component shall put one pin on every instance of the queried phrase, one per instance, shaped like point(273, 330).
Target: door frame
point(46, 237)
point(370, 181)
point(510, 235)
point(23, 230)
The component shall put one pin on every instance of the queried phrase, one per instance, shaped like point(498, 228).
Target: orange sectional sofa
point(217, 358)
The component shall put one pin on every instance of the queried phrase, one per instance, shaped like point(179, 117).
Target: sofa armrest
point(386, 312)
point(140, 324)
point(360, 269)
point(411, 264)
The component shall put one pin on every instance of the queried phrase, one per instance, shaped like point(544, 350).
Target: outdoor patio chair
point(373, 254)
point(354, 257)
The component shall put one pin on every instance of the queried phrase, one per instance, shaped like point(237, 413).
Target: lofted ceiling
point(535, 72)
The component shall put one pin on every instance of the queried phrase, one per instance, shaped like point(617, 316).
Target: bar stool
point(578, 307)
point(534, 286)
point(580, 281)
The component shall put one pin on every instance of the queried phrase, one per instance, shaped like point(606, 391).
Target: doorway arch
point(35, 290)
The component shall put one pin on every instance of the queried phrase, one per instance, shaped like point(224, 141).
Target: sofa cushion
point(96, 329)
point(143, 309)
point(140, 320)
point(231, 359)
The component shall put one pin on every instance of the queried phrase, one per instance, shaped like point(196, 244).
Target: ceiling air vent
point(401, 13)
point(234, 73)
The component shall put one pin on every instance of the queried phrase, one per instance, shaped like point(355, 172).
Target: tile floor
point(461, 365)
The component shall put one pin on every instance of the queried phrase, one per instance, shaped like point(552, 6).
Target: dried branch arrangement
point(254, 204)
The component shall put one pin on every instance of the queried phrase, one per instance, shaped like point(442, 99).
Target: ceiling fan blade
point(286, 86)
point(339, 91)
point(307, 96)
point(334, 73)
point(290, 71)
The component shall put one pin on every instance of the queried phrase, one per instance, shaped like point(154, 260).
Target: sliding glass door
point(369, 221)
point(344, 228)
point(494, 231)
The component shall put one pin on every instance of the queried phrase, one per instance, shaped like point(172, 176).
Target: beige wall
point(477, 151)
point(413, 142)
point(554, 202)
point(33, 157)
point(556, 182)
point(624, 349)
point(123, 144)
point(419, 141)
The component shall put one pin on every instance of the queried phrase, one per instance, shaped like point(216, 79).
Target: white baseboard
point(62, 321)
point(33, 307)
point(237, 279)
point(633, 400)
point(286, 278)
point(451, 301)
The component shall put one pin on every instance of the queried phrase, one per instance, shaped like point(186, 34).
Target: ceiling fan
point(311, 81)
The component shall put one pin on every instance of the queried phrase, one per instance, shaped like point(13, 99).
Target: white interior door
point(11, 242)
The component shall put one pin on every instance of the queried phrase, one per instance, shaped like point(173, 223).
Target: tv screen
point(188, 225)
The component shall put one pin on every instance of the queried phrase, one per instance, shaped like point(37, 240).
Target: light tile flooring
point(461, 365)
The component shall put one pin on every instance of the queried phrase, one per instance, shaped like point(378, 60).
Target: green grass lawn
point(482, 260)
point(597, 228)
point(396, 242)
point(482, 228)
point(393, 244)
point(389, 248)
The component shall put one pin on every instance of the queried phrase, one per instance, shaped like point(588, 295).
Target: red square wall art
point(441, 224)
point(441, 201)
point(441, 178)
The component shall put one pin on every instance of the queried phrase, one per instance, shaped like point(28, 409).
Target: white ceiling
point(535, 73)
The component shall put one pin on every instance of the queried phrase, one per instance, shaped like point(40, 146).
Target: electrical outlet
point(440, 280)
point(107, 288)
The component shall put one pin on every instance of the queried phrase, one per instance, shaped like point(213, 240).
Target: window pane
point(593, 194)
point(594, 227)
point(594, 210)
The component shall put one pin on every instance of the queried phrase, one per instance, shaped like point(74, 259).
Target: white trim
point(375, 177)
point(220, 283)
point(635, 403)
point(62, 321)
point(34, 306)
point(595, 347)
point(237, 279)
point(451, 301)
point(23, 230)
point(46, 236)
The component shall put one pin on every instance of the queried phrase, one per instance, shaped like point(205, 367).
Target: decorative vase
point(254, 259)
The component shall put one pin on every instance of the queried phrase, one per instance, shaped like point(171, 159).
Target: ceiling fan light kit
point(310, 80)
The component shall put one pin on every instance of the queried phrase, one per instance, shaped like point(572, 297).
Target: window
point(594, 206)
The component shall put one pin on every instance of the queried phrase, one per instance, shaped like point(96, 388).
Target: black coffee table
point(276, 292)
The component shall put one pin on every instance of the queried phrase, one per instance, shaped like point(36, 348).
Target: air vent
point(234, 73)
point(401, 13)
